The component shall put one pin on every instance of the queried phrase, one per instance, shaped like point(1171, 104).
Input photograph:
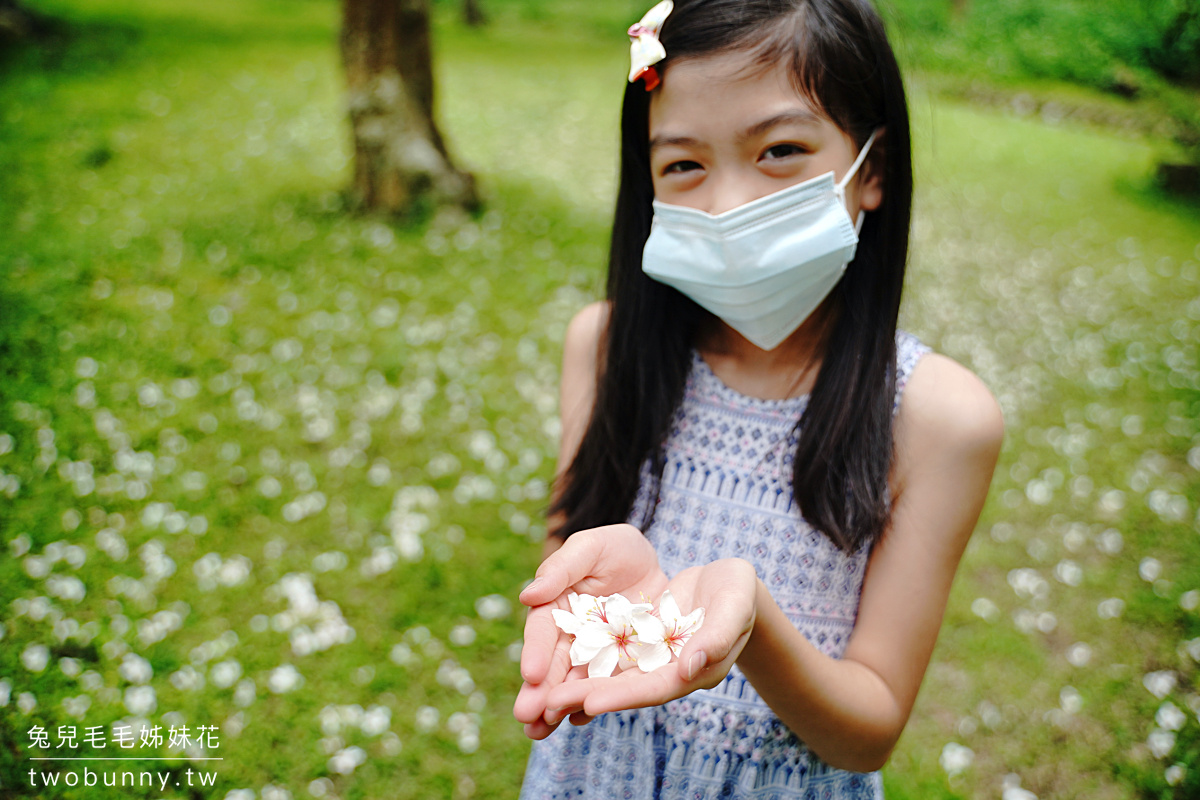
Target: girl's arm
point(849, 711)
point(576, 395)
point(544, 660)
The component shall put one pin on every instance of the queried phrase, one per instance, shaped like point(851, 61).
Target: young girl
point(744, 425)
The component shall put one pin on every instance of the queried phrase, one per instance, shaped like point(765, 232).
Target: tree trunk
point(18, 22)
point(473, 13)
point(399, 155)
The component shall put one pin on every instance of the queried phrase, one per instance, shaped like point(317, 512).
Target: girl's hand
point(615, 559)
point(727, 591)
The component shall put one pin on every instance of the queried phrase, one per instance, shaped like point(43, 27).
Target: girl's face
point(724, 132)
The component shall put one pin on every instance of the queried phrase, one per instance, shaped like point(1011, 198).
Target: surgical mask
point(763, 267)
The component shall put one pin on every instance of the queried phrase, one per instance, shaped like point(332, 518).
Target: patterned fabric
point(726, 492)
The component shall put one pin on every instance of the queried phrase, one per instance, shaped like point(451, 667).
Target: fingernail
point(695, 664)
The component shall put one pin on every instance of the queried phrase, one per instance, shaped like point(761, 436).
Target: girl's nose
point(730, 193)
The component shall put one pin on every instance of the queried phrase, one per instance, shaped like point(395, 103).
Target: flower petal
point(604, 663)
point(565, 620)
point(692, 622)
point(668, 609)
point(650, 629)
point(653, 656)
point(618, 609)
point(594, 635)
point(582, 604)
point(582, 653)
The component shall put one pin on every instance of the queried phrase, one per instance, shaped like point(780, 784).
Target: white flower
point(226, 673)
point(1161, 742)
point(956, 758)
point(347, 760)
point(1160, 684)
point(603, 631)
point(284, 678)
point(493, 606)
point(135, 669)
point(1013, 790)
point(1169, 717)
point(140, 700)
point(427, 718)
point(35, 657)
point(665, 635)
point(584, 609)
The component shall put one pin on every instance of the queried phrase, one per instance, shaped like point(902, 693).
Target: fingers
point(531, 709)
point(539, 729)
point(719, 640)
point(530, 704)
point(565, 567)
point(541, 644)
point(631, 689)
point(729, 602)
point(638, 690)
point(557, 712)
point(590, 559)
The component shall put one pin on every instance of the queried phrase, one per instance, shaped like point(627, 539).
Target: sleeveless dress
point(726, 492)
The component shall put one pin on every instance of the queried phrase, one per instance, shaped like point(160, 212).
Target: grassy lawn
point(279, 470)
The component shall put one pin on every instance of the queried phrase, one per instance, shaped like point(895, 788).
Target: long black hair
point(840, 60)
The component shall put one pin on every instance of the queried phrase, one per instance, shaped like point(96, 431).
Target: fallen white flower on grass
point(1169, 717)
point(955, 758)
point(607, 629)
point(1161, 742)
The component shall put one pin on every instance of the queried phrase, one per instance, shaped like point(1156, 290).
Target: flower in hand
point(665, 635)
point(609, 629)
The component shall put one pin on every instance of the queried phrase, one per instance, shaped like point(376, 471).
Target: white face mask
point(763, 267)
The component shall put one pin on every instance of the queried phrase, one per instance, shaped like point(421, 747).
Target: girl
point(744, 425)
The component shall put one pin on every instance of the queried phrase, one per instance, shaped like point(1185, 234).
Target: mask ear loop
point(858, 162)
point(858, 222)
point(840, 186)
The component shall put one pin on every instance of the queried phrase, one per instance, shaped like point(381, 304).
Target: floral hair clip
point(645, 50)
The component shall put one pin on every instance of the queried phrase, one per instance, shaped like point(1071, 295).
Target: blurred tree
point(18, 22)
point(399, 156)
point(473, 13)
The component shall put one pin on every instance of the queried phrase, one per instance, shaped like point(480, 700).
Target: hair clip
point(645, 50)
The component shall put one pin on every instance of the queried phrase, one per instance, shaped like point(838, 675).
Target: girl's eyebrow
point(681, 141)
point(795, 116)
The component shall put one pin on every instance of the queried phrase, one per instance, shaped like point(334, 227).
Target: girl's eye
point(681, 166)
point(782, 151)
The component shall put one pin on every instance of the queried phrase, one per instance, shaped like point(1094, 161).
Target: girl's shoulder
point(947, 415)
point(577, 392)
point(585, 330)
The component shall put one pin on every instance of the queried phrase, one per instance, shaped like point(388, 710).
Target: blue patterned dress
point(726, 492)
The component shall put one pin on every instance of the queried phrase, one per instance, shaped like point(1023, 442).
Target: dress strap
point(909, 350)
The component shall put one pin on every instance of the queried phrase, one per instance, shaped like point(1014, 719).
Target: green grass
point(190, 319)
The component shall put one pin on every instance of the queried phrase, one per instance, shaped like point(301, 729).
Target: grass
point(220, 390)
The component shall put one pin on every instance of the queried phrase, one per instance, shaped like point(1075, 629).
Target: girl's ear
point(870, 190)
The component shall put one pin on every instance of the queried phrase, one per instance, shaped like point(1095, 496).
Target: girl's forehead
point(726, 66)
point(726, 90)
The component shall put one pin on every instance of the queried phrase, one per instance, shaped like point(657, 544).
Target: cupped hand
point(727, 591)
point(615, 559)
